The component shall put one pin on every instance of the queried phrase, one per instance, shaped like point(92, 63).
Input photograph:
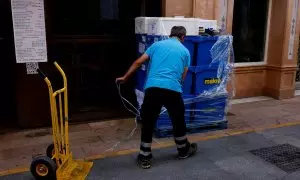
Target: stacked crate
point(205, 107)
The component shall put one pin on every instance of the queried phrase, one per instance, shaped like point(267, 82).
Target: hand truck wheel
point(50, 152)
point(43, 167)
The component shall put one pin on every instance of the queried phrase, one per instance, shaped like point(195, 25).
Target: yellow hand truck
point(58, 162)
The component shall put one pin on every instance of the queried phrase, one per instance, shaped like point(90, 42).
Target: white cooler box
point(163, 26)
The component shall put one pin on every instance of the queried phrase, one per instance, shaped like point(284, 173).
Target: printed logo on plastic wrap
point(212, 81)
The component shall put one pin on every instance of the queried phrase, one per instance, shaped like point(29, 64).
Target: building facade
point(272, 72)
point(95, 42)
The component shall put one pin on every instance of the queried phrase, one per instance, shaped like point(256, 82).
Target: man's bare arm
point(138, 63)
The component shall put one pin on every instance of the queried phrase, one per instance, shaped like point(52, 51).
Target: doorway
point(95, 42)
point(7, 73)
point(250, 21)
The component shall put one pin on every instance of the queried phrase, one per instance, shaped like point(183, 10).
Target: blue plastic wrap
point(207, 89)
point(206, 93)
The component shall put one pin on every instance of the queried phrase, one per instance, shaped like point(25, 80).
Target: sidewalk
point(228, 158)
point(98, 140)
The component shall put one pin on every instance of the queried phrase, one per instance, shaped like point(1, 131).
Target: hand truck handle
point(62, 73)
point(41, 73)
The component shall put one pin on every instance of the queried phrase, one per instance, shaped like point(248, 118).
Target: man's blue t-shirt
point(168, 59)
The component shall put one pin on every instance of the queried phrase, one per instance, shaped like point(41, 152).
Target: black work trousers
point(154, 100)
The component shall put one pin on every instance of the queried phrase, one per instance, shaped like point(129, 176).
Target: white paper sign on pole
point(29, 30)
point(293, 30)
point(223, 16)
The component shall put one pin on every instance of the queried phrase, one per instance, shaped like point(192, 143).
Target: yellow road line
point(167, 144)
point(13, 171)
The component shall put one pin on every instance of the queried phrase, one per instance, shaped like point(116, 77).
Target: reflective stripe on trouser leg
point(145, 149)
point(181, 142)
point(180, 138)
point(145, 153)
point(146, 145)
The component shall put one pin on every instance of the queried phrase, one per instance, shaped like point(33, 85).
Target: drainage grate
point(285, 156)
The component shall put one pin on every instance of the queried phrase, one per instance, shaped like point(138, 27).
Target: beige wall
point(177, 8)
point(206, 9)
point(276, 77)
point(278, 63)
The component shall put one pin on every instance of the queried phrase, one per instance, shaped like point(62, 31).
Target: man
point(168, 66)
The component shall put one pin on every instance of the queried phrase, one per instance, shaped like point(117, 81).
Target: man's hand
point(133, 68)
point(121, 80)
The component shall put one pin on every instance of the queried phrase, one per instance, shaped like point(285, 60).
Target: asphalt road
point(225, 158)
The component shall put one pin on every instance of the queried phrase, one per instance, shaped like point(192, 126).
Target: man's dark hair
point(178, 31)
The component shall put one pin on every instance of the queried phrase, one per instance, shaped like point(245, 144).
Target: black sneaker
point(144, 162)
point(189, 151)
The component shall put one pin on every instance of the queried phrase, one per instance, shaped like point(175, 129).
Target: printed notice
point(293, 30)
point(223, 15)
point(29, 30)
